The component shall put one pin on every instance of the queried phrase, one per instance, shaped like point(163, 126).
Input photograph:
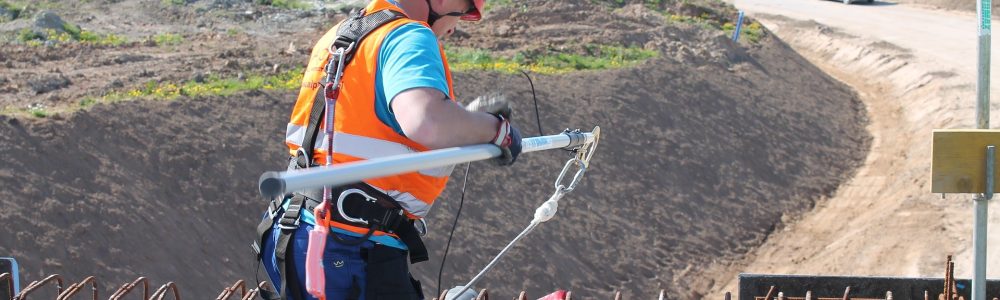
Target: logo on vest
point(338, 264)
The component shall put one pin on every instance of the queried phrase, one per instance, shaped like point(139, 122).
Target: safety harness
point(358, 204)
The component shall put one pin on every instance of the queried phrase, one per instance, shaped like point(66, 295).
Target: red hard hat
point(477, 13)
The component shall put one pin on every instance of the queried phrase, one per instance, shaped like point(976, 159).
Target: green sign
point(984, 15)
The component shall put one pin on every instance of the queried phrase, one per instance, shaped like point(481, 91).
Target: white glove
point(493, 103)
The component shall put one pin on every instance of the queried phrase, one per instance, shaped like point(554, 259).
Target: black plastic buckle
point(290, 219)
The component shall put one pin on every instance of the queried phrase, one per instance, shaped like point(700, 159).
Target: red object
point(557, 295)
point(476, 14)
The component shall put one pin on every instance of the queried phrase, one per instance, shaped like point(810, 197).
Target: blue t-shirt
point(409, 58)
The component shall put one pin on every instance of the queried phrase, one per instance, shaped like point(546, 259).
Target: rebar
point(36, 284)
point(253, 292)
point(75, 288)
point(10, 283)
point(770, 293)
point(127, 287)
point(230, 290)
point(162, 291)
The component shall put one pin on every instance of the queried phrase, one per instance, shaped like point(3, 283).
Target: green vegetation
point(752, 32)
point(13, 12)
point(38, 112)
point(596, 57)
point(168, 39)
point(72, 34)
point(210, 86)
point(286, 4)
point(173, 2)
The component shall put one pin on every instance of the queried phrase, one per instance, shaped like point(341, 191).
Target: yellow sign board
point(958, 160)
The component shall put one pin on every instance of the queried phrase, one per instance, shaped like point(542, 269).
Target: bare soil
point(707, 150)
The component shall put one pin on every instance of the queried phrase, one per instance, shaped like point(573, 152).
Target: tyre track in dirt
point(883, 221)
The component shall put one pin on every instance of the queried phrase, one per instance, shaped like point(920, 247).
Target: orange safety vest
point(358, 133)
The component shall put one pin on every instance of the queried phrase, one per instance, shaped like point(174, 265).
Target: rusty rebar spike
point(253, 292)
point(36, 284)
point(947, 280)
point(954, 287)
point(484, 295)
point(10, 283)
point(770, 293)
point(847, 293)
point(75, 288)
point(228, 292)
point(127, 287)
point(162, 291)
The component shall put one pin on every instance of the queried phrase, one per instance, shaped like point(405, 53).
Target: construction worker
point(395, 96)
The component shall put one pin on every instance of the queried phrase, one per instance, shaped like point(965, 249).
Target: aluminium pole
point(982, 122)
point(273, 184)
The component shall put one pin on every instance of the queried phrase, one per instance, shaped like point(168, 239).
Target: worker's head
point(443, 15)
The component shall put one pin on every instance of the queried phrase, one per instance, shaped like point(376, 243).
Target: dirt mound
point(706, 150)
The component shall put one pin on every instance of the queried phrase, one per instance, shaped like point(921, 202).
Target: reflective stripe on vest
point(364, 147)
point(358, 133)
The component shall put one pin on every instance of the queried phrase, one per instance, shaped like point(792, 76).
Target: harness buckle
point(340, 204)
point(290, 219)
point(272, 209)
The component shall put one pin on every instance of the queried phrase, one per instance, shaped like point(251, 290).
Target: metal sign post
point(982, 122)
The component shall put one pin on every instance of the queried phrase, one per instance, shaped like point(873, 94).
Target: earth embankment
point(884, 221)
point(707, 150)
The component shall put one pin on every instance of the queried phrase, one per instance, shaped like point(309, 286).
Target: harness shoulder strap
point(350, 33)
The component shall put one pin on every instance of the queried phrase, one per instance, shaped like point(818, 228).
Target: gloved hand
point(509, 140)
point(493, 103)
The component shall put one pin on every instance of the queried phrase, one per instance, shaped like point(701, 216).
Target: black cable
point(465, 181)
point(454, 225)
point(534, 99)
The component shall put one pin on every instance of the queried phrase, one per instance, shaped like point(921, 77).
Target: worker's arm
point(427, 117)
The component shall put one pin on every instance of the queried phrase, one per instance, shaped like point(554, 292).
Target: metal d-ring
point(340, 205)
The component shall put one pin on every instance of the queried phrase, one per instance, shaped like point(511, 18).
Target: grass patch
point(168, 39)
point(38, 112)
point(13, 12)
point(596, 57)
point(210, 86)
point(752, 32)
point(71, 34)
point(286, 4)
point(174, 2)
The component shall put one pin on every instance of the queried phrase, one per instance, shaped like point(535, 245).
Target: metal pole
point(983, 9)
point(273, 184)
point(979, 231)
point(739, 26)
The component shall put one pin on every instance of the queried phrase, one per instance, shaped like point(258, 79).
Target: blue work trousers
point(343, 264)
point(365, 271)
